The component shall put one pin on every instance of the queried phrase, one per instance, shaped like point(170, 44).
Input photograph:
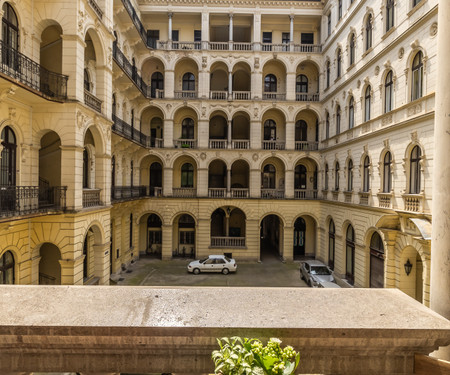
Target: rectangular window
point(329, 23)
point(285, 39)
point(307, 38)
point(152, 38)
point(267, 37)
point(187, 237)
point(175, 35)
point(340, 9)
point(197, 39)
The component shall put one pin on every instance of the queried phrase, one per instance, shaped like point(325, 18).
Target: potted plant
point(245, 356)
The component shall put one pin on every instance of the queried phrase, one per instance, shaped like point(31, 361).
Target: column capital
point(170, 14)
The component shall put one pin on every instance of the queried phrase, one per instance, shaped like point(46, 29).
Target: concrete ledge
point(143, 329)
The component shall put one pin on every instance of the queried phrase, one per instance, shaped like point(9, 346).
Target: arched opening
point(51, 59)
point(274, 130)
point(219, 81)
point(155, 182)
point(8, 157)
point(415, 172)
point(272, 178)
point(241, 81)
point(304, 237)
point(49, 265)
point(10, 37)
point(240, 131)
point(350, 255)
point(93, 245)
point(184, 177)
point(240, 173)
point(300, 177)
point(307, 82)
point(376, 261)
point(305, 179)
point(184, 236)
point(412, 283)
point(150, 235)
point(186, 75)
point(91, 170)
point(417, 76)
point(217, 179)
point(157, 85)
point(271, 235)
point(331, 244)
point(185, 128)
point(49, 169)
point(228, 228)
point(152, 71)
point(274, 80)
point(218, 132)
point(7, 268)
point(152, 126)
point(92, 78)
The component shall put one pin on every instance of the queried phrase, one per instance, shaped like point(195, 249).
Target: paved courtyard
point(269, 273)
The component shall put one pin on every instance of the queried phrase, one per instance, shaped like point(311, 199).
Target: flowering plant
point(250, 357)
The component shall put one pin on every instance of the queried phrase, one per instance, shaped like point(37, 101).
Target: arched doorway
point(228, 228)
point(376, 261)
point(49, 266)
point(411, 273)
point(299, 237)
point(154, 236)
point(271, 234)
point(155, 182)
point(184, 236)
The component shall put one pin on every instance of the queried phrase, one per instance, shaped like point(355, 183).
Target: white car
point(315, 272)
point(213, 263)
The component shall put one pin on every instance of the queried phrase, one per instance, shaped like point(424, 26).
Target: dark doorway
point(270, 236)
point(299, 237)
point(376, 261)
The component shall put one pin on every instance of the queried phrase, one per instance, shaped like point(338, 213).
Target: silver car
point(213, 263)
point(315, 272)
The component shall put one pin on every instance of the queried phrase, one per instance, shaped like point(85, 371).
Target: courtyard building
point(133, 128)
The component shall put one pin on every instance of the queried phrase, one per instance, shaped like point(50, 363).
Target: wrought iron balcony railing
point(96, 8)
point(28, 72)
point(136, 21)
point(92, 101)
point(24, 200)
point(91, 198)
point(125, 130)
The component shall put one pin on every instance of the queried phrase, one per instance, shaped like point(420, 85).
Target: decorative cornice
point(316, 4)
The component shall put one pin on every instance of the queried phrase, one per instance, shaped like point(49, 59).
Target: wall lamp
point(408, 267)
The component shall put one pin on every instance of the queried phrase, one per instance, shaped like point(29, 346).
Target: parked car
point(213, 263)
point(328, 284)
point(314, 272)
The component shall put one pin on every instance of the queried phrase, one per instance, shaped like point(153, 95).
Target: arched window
point(268, 177)
point(350, 175)
point(301, 84)
point(326, 176)
point(351, 113)
point(87, 80)
point(376, 261)
point(270, 130)
point(331, 244)
point(336, 176)
point(388, 90)
point(352, 49)
point(7, 268)
point(157, 83)
point(387, 176)
point(414, 176)
point(113, 171)
point(417, 76)
point(131, 231)
point(328, 74)
point(389, 14)
point(10, 37)
point(187, 175)
point(339, 62)
point(300, 177)
point(155, 178)
point(131, 173)
point(8, 157)
point(369, 32)
point(187, 129)
point(301, 131)
point(339, 9)
point(270, 83)
point(188, 82)
point(327, 126)
point(338, 119)
point(367, 98)
point(350, 255)
point(366, 174)
point(85, 169)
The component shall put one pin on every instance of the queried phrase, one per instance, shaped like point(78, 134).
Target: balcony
point(385, 200)
point(413, 202)
point(275, 47)
point(52, 86)
point(217, 192)
point(308, 48)
point(96, 8)
point(136, 21)
point(133, 75)
point(305, 194)
point(240, 193)
point(185, 94)
point(272, 193)
point(125, 130)
point(175, 45)
point(228, 242)
point(240, 144)
point(123, 193)
point(218, 95)
point(184, 192)
point(91, 198)
point(303, 97)
point(157, 142)
point(185, 143)
point(306, 146)
point(92, 101)
point(25, 200)
point(241, 95)
point(166, 332)
point(218, 143)
point(364, 197)
point(274, 96)
point(273, 145)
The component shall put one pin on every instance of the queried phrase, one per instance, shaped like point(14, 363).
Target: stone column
point(167, 182)
point(203, 133)
point(169, 84)
point(228, 182)
point(288, 243)
point(291, 29)
point(290, 86)
point(73, 65)
point(230, 31)
point(255, 183)
point(168, 133)
point(290, 135)
point(255, 134)
point(167, 247)
point(440, 258)
point(230, 85)
point(257, 84)
point(205, 30)
point(101, 261)
point(229, 134)
point(72, 175)
point(289, 184)
point(257, 32)
point(72, 271)
point(202, 182)
point(170, 15)
point(203, 84)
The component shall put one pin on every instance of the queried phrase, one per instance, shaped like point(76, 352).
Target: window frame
point(390, 13)
point(336, 176)
point(350, 252)
point(188, 81)
point(338, 120)
point(366, 174)
point(270, 83)
point(387, 169)
point(351, 113)
point(388, 92)
point(350, 175)
point(414, 166)
point(7, 269)
point(369, 32)
point(367, 103)
point(417, 69)
point(331, 244)
point(187, 175)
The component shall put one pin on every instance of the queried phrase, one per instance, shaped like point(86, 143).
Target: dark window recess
point(267, 37)
point(285, 38)
point(152, 38)
point(307, 38)
point(175, 35)
point(197, 35)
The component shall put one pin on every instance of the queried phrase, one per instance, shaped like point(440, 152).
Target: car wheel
point(196, 271)
point(225, 271)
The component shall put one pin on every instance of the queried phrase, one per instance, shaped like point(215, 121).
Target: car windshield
point(203, 260)
point(228, 259)
point(320, 270)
